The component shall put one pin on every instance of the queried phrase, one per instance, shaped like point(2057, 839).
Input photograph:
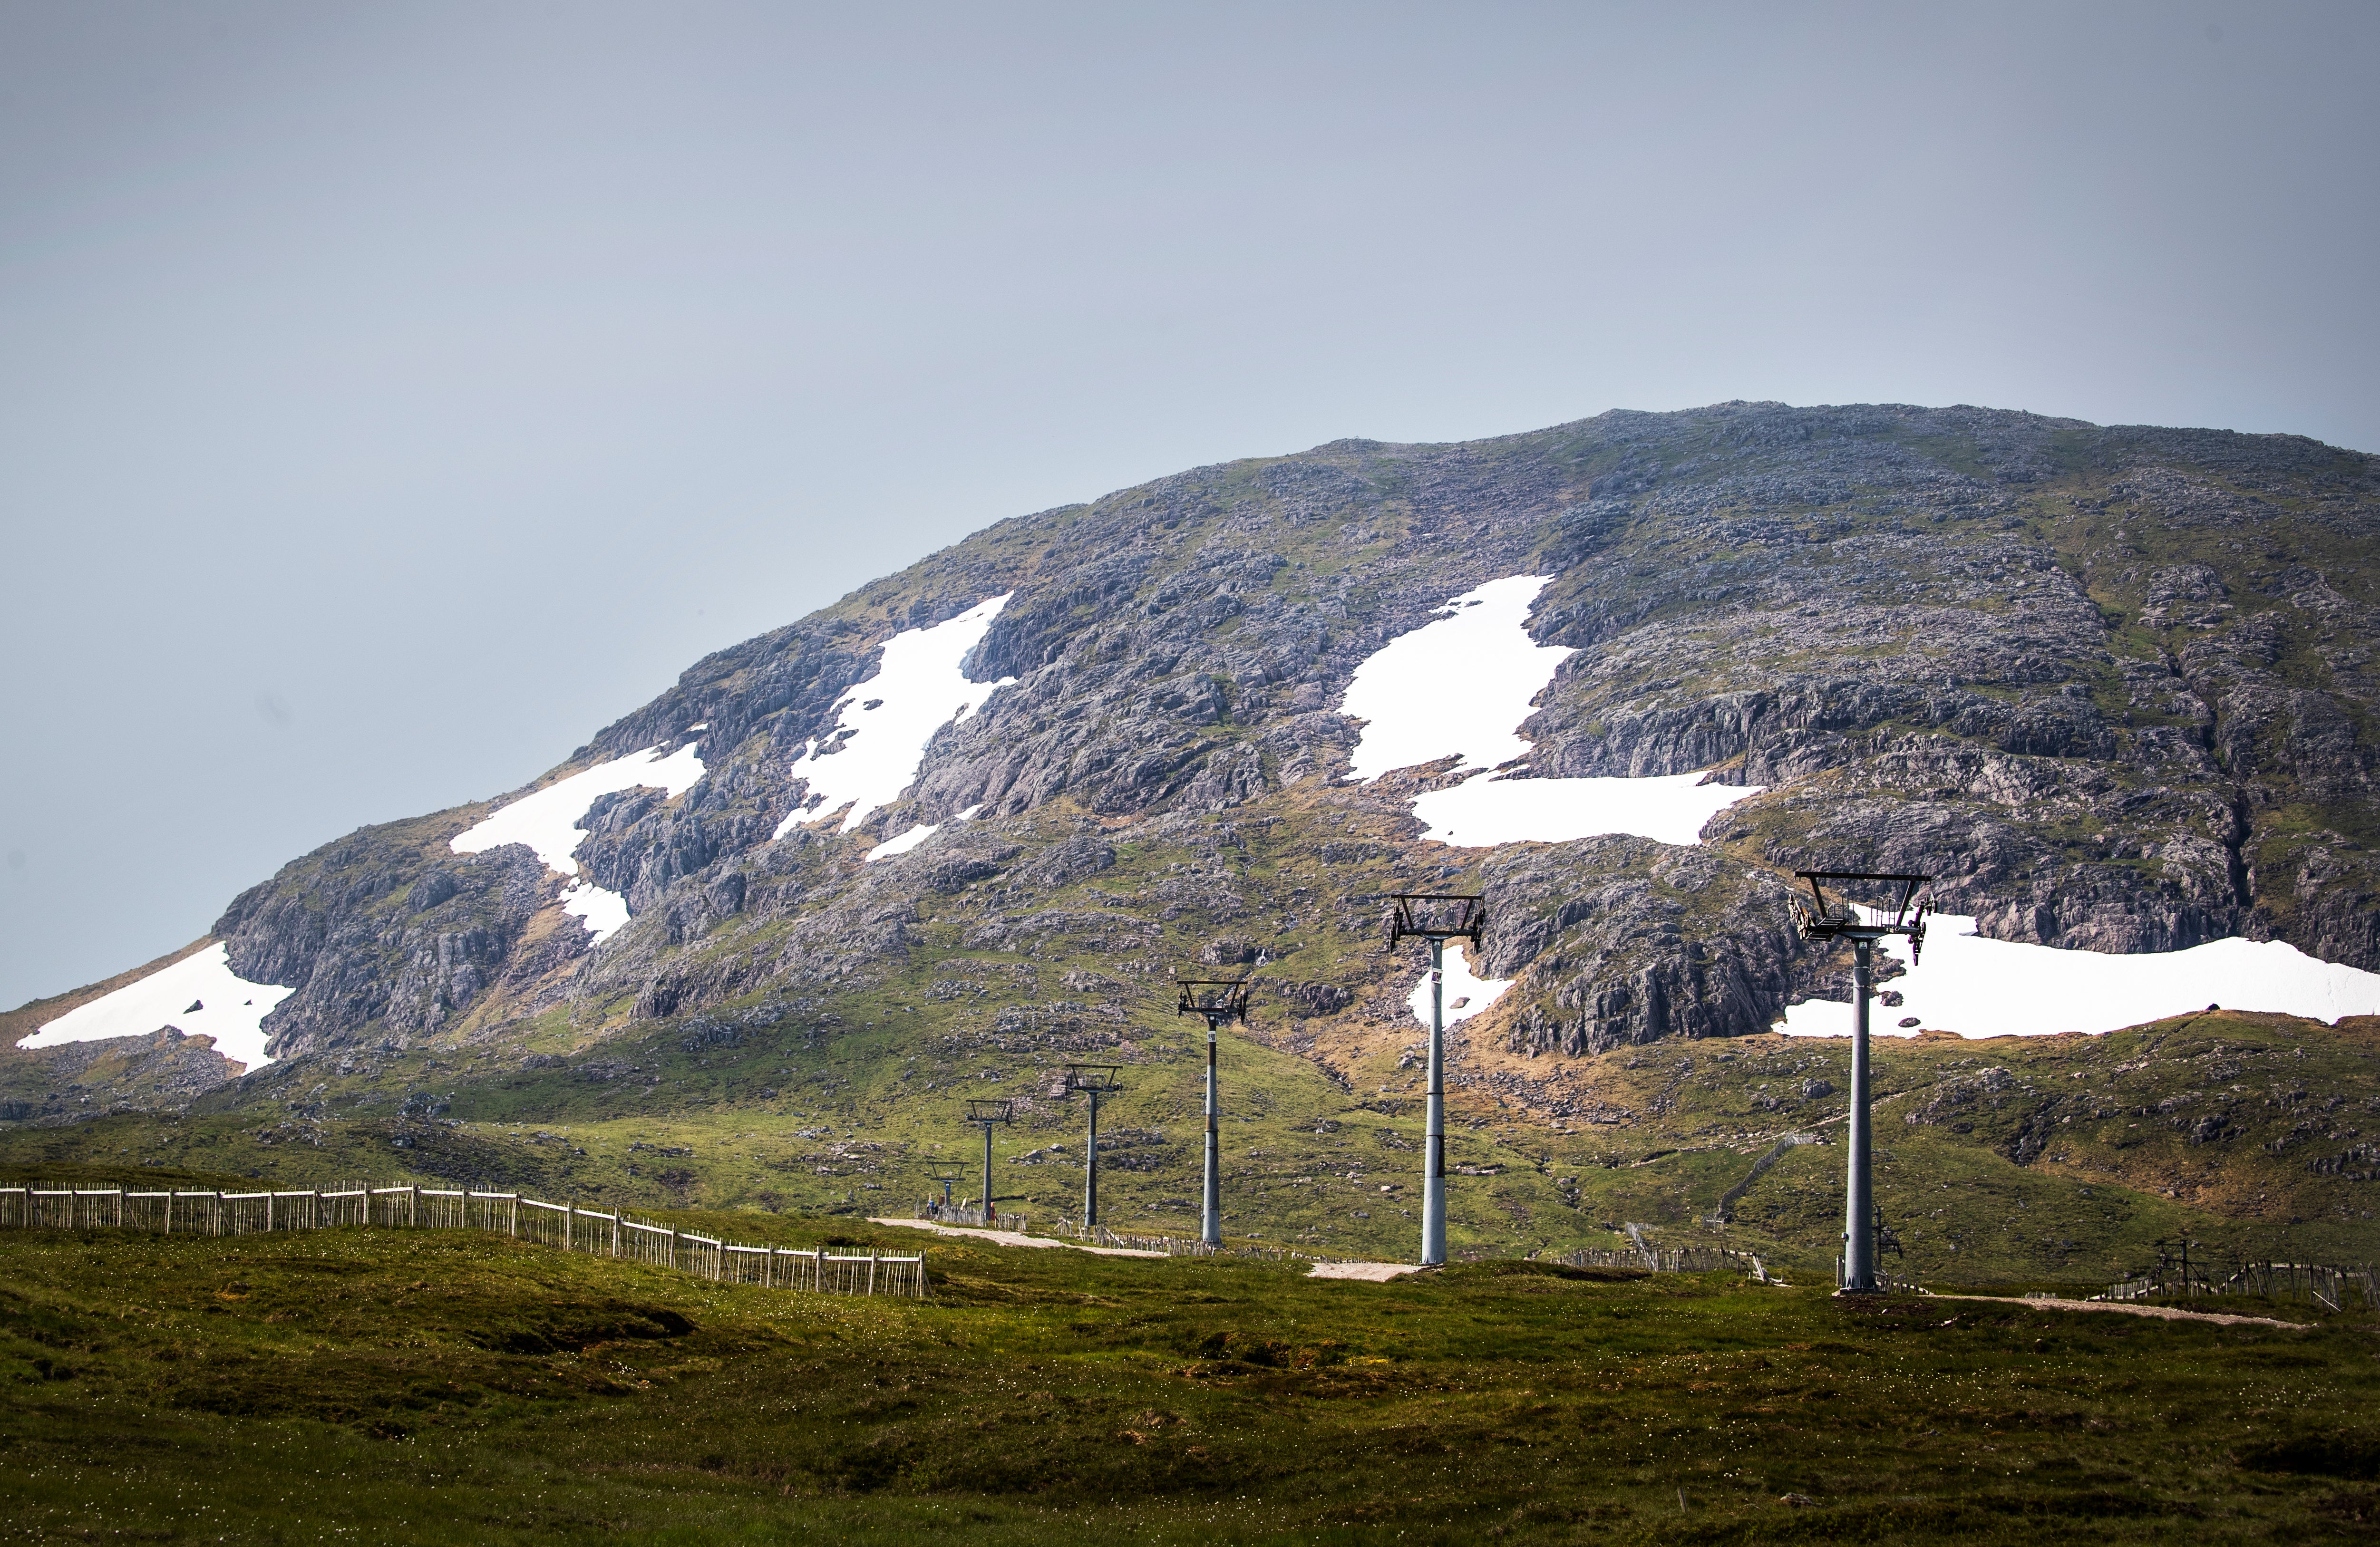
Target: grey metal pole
point(1211, 1220)
point(1859, 1203)
point(1091, 1167)
point(1433, 1181)
point(986, 1210)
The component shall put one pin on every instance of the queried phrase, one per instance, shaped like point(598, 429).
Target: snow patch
point(547, 821)
point(199, 995)
point(903, 844)
point(1980, 987)
point(1463, 686)
point(604, 913)
point(915, 835)
point(882, 725)
point(1476, 993)
point(1482, 813)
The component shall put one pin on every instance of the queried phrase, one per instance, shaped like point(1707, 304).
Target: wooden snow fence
point(564, 1226)
point(1665, 1259)
point(2334, 1288)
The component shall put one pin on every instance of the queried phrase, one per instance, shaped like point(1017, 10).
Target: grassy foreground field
point(388, 1386)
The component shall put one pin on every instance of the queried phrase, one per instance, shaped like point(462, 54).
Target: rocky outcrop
point(162, 1072)
point(388, 931)
point(1661, 942)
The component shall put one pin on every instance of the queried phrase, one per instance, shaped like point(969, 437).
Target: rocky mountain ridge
point(2114, 686)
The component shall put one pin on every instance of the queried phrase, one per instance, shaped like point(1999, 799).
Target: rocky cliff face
point(2116, 686)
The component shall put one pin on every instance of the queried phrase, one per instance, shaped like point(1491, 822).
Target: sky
point(393, 395)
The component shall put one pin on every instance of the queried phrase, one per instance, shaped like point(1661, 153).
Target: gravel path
point(1010, 1238)
point(2163, 1312)
point(1370, 1272)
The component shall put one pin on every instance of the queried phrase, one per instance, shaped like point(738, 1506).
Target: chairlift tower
point(948, 1174)
point(1436, 917)
point(1840, 920)
point(1218, 1000)
point(1093, 1081)
point(987, 1113)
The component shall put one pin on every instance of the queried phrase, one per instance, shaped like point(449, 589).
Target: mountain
point(2113, 687)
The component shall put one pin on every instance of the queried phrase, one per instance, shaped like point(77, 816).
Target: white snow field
point(1482, 813)
point(1474, 994)
point(883, 724)
point(547, 821)
point(603, 912)
point(1462, 685)
point(197, 995)
point(914, 835)
point(1978, 988)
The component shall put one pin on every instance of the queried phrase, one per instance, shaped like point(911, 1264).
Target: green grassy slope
point(392, 1386)
point(2017, 1158)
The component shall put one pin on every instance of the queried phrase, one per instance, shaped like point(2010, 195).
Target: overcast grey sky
point(393, 394)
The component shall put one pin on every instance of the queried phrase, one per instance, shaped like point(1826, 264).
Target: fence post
point(615, 1232)
point(871, 1272)
point(673, 1260)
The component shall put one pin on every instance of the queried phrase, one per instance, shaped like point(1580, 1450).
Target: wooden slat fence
point(2334, 1287)
point(1665, 1259)
point(563, 1225)
point(969, 1218)
point(1179, 1246)
point(1099, 1235)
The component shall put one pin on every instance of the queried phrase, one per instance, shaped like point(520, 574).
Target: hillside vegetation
point(390, 1386)
point(2003, 1160)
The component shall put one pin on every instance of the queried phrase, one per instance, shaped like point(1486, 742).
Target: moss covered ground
point(396, 1386)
